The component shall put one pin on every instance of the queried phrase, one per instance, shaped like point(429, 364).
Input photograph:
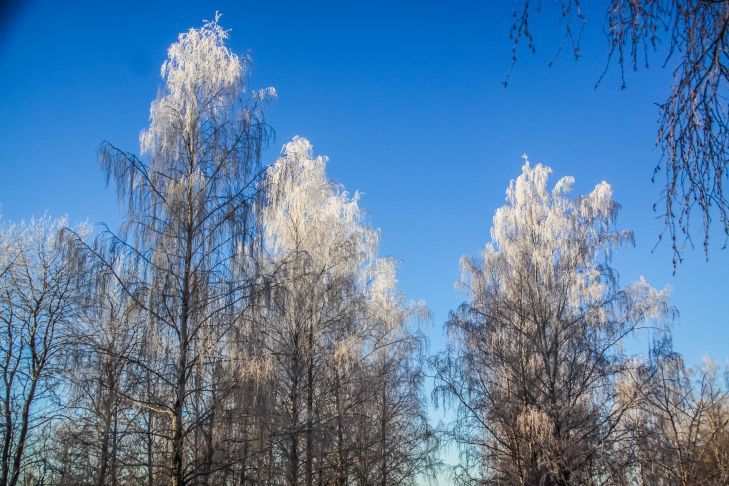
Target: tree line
point(240, 328)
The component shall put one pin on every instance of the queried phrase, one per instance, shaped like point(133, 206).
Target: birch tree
point(103, 382)
point(188, 200)
point(316, 242)
point(333, 326)
point(397, 443)
point(680, 420)
point(38, 284)
point(535, 350)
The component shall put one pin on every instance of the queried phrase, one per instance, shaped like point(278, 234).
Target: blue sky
point(404, 97)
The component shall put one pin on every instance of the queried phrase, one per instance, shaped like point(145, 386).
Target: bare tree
point(402, 442)
point(693, 132)
point(679, 422)
point(103, 430)
point(37, 288)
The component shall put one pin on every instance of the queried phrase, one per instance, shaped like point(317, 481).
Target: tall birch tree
point(189, 199)
point(535, 350)
point(335, 326)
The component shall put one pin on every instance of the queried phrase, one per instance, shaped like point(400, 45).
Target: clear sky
point(406, 99)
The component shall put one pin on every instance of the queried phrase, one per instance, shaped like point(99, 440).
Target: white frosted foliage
point(319, 243)
point(563, 244)
point(307, 212)
point(203, 84)
point(536, 356)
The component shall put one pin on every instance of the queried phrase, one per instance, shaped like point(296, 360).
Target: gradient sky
point(405, 98)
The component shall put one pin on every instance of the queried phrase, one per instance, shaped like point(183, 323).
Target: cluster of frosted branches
point(693, 134)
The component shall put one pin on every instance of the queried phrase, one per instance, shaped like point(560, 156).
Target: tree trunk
point(310, 409)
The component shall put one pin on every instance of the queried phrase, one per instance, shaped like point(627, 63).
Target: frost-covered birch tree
point(396, 442)
point(188, 200)
point(332, 325)
point(535, 350)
